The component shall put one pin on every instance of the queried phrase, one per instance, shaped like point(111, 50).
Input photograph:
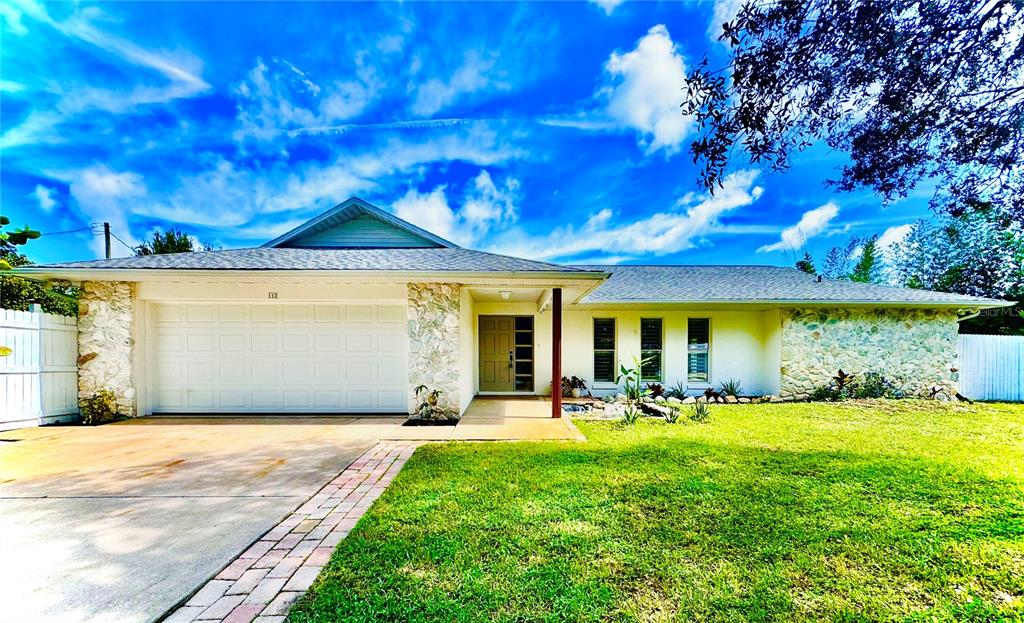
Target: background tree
point(911, 90)
point(18, 293)
point(11, 239)
point(869, 266)
point(806, 264)
point(171, 241)
point(838, 260)
point(979, 252)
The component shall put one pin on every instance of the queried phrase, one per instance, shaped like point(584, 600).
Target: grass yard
point(895, 511)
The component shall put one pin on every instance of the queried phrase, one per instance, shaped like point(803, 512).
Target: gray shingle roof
point(706, 284)
point(429, 260)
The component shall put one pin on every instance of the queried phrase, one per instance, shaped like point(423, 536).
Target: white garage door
point(278, 358)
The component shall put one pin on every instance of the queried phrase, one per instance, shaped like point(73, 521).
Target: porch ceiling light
point(505, 294)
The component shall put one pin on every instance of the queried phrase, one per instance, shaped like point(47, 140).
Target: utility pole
point(106, 238)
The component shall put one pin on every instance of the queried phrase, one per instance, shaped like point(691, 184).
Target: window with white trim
point(698, 349)
point(604, 350)
point(651, 340)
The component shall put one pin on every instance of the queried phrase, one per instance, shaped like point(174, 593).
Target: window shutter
point(604, 334)
point(650, 334)
point(604, 350)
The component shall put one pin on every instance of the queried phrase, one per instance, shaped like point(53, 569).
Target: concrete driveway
point(120, 522)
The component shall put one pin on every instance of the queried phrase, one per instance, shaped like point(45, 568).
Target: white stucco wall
point(467, 350)
point(744, 345)
point(771, 356)
point(741, 346)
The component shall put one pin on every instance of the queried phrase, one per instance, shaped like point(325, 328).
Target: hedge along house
point(351, 311)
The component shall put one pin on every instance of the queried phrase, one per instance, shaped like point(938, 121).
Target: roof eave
point(970, 303)
point(162, 274)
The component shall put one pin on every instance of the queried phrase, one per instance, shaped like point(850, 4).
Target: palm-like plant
point(428, 408)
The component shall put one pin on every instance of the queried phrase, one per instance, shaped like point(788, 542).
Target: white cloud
point(486, 206)
point(475, 74)
point(429, 211)
point(180, 72)
point(281, 98)
point(648, 90)
point(608, 5)
point(724, 11)
point(891, 237)
point(659, 234)
point(260, 200)
point(108, 196)
point(44, 197)
point(812, 223)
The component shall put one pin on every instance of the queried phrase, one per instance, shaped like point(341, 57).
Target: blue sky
point(545, 130)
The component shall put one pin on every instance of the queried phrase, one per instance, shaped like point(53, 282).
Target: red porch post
point(556, 352)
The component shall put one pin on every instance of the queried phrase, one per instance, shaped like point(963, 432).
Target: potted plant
point(573, 386)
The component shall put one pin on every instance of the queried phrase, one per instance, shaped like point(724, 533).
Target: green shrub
point(672, 416)
point(844, 387)
point(732, 387)
point(875, 385)
point(701, 412)
point(99, 408)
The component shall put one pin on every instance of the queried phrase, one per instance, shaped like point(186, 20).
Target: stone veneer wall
point(105, 342)
point(915, 349)
point(434, 342)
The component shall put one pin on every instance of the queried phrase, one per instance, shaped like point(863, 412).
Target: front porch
point(519, 418)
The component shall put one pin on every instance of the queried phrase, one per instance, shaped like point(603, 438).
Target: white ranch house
point(352, 310)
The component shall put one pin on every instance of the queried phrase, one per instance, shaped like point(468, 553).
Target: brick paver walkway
point(261, 584)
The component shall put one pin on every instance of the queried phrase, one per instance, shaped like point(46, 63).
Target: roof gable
point(356, 224)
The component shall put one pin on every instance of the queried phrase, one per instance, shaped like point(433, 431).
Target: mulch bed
point(419, 422)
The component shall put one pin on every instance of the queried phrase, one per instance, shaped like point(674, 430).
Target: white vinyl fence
point(992, 367)
point(39, 379)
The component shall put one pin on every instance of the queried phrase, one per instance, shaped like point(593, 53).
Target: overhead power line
point(68, 231)
point(126, 245)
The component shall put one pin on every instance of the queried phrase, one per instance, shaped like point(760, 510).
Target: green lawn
point(899, 511)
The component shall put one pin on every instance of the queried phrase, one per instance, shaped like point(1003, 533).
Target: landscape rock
point(675, 401)
point(657, 410)
point(730, 399)
point(689, 400)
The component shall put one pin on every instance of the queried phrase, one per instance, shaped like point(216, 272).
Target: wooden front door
point(496, 353)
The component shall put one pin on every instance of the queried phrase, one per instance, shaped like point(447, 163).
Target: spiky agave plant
point(701, 412)
point(732, 387)
point(672, 416)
